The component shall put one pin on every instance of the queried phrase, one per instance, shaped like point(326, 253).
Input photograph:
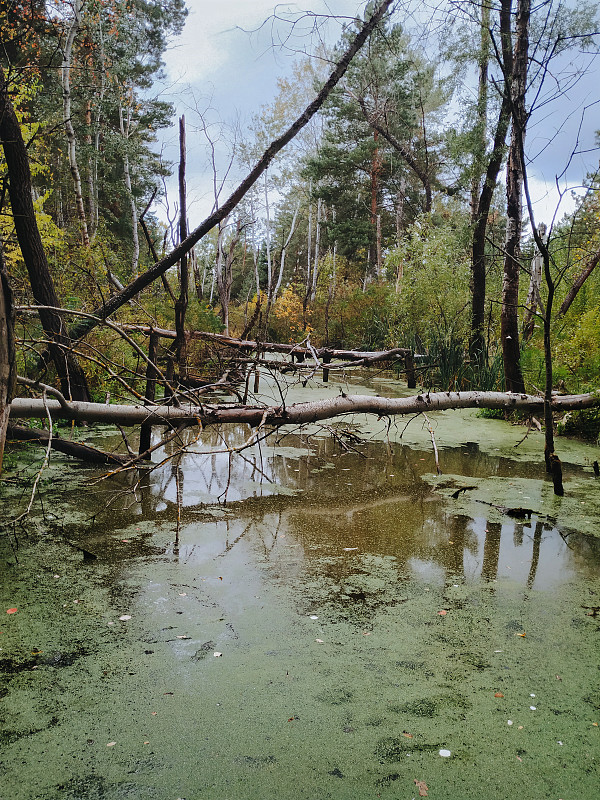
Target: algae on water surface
point(366, 621)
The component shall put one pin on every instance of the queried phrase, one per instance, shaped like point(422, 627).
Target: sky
point(226, 63)
point(225, 66)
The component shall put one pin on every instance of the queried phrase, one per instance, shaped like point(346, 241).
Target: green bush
point(584, 423)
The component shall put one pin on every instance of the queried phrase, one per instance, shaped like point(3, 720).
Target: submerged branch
point(79, 450)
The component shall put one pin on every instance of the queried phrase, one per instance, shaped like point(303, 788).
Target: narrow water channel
point(326, 621)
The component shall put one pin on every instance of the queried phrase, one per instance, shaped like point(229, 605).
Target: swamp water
point(341, 628)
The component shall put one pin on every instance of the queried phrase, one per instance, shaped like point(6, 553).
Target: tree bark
point(283, 254)
point(250, 345)
point(224, 269)
point(67, 446)
point(480, 132)
point(181, 303)
point(299, 413)
point(150, 393)
point(7, 352)
point(71, 376)
point(478, 262)
point(125, 127)
point(315, 272)
point(509, 320)
point(70, 131)
point(535, 282)
point(421, 172)
point(375, 177)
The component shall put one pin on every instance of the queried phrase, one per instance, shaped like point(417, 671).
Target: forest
point(372, 218)
point(299, 469)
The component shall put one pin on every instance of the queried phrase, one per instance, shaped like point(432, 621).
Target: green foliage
point(420, 299)
point(431, 269)
point(491, 413)
point(579, 353)
point(585, 423)
point(448, 368)
point(202, 317)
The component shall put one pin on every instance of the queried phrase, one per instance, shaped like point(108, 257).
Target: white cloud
point(547, 201)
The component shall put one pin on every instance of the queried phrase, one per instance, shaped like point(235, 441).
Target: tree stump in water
point(556, 472)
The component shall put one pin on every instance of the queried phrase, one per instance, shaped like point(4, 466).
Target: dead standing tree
point(182, 301)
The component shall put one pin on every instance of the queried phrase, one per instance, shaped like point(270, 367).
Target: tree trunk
point(315, 272)
point(7, 352)
point(268, 241)
point(71, 376)
point(275, 347)
point(184, 272)
point(221, 277)
point(509, 319)
point(535, 282)
point(125, 126)
point(375, 176)
point(578, 282)
point(477, 347)
point(298, 413)
point(283, 254)
point(421, 172)
point(91, 174)
point(308, 256)
point(67, 446)
point(150, 393)
point(482, 110)
point(70, 131)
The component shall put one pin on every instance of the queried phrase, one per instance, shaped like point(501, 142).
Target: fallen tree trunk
point(274, 347)
point(297, 414)
point(77, 449)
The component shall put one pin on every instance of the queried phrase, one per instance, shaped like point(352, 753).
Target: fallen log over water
point(296, 350)
point(296, 414)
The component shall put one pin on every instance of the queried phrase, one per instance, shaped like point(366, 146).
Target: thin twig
point(435, 450)
point(42, 468)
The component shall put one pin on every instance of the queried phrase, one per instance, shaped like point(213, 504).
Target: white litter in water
point(445, 753)
point(313, 616)
point(217, 655)
point(531, 695)
point(510, 722)
point(532, 708)
point(560, 743)
point(125, 617)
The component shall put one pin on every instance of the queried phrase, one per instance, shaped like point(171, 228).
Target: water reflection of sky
point(367, 495)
